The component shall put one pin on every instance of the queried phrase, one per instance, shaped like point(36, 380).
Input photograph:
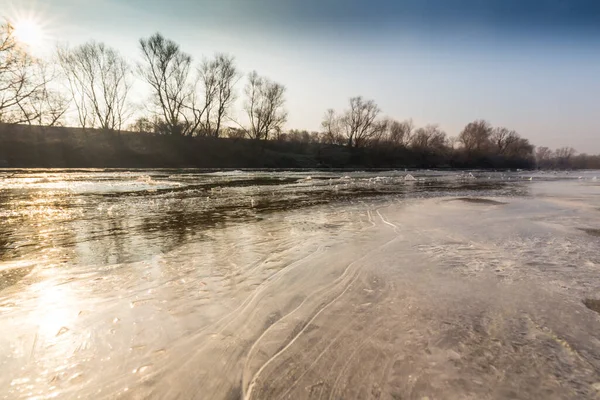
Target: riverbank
point(23, 146)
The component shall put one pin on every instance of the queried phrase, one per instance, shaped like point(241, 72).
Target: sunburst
point(30, 29)
point(29, 32)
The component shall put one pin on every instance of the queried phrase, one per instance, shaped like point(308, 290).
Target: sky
point(532, 66)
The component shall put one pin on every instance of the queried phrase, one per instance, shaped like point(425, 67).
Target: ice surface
point(267, 285)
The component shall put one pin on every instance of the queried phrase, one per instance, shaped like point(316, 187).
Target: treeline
point(94, 82)
point(565, 158)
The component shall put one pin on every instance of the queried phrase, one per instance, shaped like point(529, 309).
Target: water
point(288, 284)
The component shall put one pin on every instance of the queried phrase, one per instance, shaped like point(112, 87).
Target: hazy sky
point(532, 66)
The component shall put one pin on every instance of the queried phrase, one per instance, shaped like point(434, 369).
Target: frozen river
point(187, 284)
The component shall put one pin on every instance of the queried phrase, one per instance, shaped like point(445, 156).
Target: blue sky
point(533, 66)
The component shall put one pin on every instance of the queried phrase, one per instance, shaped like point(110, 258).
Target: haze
point(528, 65)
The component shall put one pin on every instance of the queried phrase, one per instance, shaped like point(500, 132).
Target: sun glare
point(29, 32)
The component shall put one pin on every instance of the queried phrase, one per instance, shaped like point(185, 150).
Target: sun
point(29, 33)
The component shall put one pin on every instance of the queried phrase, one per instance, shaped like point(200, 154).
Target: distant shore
point(23, 146)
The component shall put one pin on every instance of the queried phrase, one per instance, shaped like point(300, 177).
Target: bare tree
point(167, 69)
point(25, 96)
point(218, 77)
point(235, 133)
point(331, 128)
point(429, 138)
point(475, 137)
point(400, 133)
point(565, 153)
point(145, 124)
point(503, 139)
point(265, 106)
point(563, 156)
point(359, 122)
point(519, 148)
point(208, 77)
point(357, 126)
point(543, 155)
point(47, 108)
point(100, 81)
